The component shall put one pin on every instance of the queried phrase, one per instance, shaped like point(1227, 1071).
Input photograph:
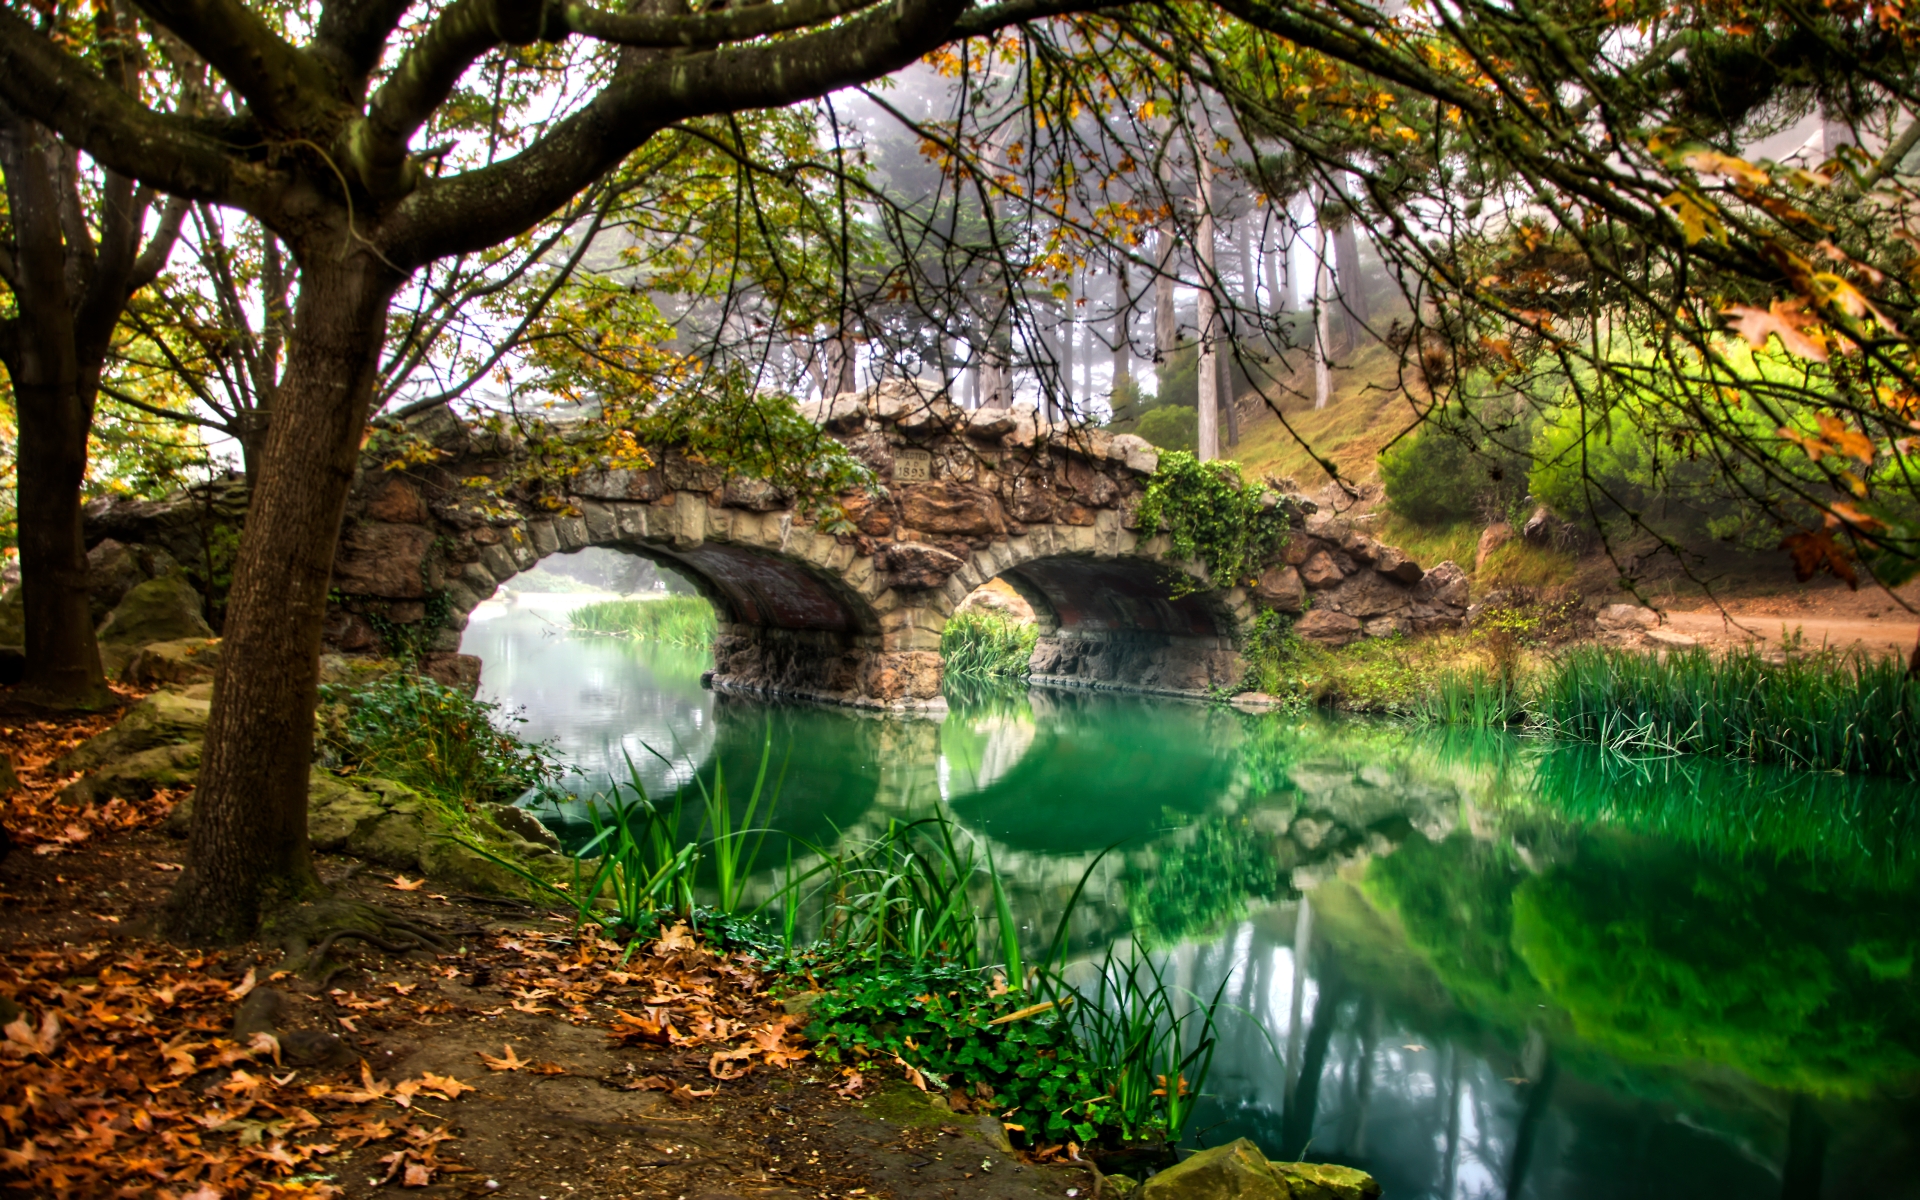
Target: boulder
point(1320, 571)
point(160, 610)
point(1445, 586)
point(1626, 617)
point(916, 564)
point(845, 411)
point(1327, 627)
point(162, 719)
point(1392, 562)
point(173, 664)
point(1539, 526)
point(1239, 1171)
point(138, 775)
point(1140, 456)
point(114, 569)
point(1367, 594)
point(1281, 589)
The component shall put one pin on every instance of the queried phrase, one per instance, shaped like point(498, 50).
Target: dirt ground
point(560, 1084)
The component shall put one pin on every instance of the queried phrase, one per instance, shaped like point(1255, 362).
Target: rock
point(1328, 527)
point(1326, 1181)
point(1320, 571)
point(396, 501)
point(993, 1133)
point(1140, 456)
point(1626, 617)
point(1239, 1170)
point(916, 564)
point(845, 411)
point(138, 775)
point(989, 422)
point(1367, 594)
point(520, 822)
point(261, 1012)
point(1235, 1171)
point(1495, 536)
point(1394, 564)
point(381, 559)
point(1281, 589)
point(114, 569)
point(162, 719)
point(1445, 586)
point(1381, 627)
point(159, 610)
point(1327, 628)
point(461, 672)
point(955, 508)
point(1670, 637)
point(167, 664)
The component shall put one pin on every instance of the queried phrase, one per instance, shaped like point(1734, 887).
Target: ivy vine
point(1213, 514)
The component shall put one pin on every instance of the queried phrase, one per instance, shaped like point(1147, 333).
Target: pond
point(1471, 965)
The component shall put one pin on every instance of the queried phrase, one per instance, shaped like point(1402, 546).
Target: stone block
point(1368, 594)
point(600, 522)
point(632, 520)
point(916, 564)
point(1492, 538)
point(479, 579)
point(545, 539)
point(378, 559)
point(1138, 454)
point(1380, 627)
point(1445, 587)
point(173, 664)
point(520, 546)
point(572, 532)
point(1615, 617)
point(1235, 1171)
point(498, 562)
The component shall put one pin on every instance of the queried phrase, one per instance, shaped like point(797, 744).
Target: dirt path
point(1893, 634)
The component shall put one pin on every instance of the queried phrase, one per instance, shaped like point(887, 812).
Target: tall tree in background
point(76, 242)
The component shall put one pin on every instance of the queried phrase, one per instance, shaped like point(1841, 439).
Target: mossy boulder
point(138, 775)
point(159, 610)
point(168, 718)
point(396, 827)
point(173, 664)
point(1239, 1171)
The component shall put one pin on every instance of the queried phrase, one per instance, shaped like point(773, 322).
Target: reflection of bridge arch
point(854, 616)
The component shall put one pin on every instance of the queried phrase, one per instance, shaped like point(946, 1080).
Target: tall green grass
point(674, 620)
point(1832, 712)
point(986, 645)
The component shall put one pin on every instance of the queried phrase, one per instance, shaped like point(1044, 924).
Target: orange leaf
point(1798, 333)
point(402, 884)
point(507, 1062)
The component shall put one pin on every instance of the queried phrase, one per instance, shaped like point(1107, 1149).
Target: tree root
point(309, 932)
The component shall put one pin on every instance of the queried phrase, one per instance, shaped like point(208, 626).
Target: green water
point(1473, 965)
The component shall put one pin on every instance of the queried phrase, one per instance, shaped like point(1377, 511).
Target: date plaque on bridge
point(912, 466)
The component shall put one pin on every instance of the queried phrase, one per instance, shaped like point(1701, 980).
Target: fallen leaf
point(402, 884)
point(507, 1062)
point(240, 990)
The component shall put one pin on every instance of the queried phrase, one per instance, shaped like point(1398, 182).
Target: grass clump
point(1827, 711)
point(673, 620)
point(439, 741)
point(980, 646)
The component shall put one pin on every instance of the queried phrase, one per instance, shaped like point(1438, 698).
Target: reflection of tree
point(1205, 875)
point(1658, 955)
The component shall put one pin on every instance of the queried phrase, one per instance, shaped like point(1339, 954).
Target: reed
point(672, 620)
point(986, 645)
point(1826, 711)
point(1479, 698)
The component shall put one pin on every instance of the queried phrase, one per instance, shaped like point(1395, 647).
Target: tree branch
point(159, 249)
point(42, 81)
point(704, 29)
point(280, 83)
point(479, 208)
point(352, 34)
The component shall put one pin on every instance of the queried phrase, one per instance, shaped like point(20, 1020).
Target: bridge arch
point(852, 617)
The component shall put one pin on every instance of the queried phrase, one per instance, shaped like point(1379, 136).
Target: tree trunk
point(1122, 337)
point(1208, 320)
point(63, 659)
point(1353, 296)
point(249, 848)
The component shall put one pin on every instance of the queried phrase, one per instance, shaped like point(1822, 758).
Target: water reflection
point(1472, 965)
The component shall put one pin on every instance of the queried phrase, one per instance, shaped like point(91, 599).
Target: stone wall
point(1350, 586)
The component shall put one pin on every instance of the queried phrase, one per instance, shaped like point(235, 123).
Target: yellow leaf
point(1698, 221)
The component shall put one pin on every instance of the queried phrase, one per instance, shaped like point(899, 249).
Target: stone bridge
point(854, 617)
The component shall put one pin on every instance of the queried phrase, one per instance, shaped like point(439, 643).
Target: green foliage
point(1477, 698)
point(1212, 513)
point(1037, 1076)
point(1171, 427)
point(978, 645)
point(675, 620)
point(438, 740)
point(1206, 875)
point(1444, 473)
point(1822, 711)
point(408, 641)
point(1271, 646)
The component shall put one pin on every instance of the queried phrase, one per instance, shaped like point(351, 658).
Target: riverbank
point(525, 1060)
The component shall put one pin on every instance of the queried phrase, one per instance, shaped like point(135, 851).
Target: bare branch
point(281, 84)
point(705, 29)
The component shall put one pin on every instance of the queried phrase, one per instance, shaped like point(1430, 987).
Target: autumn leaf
point(239, 991)
point(1712, 162)
point(528, 1006)
point(507, 1062)
point(1698, 221)
point(1798, 332)
point(1815, 551)
point(1846, 440)
point(402, 884)
point(444, 1086)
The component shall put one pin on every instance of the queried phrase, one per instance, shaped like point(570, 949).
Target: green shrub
point(675, 620)
point(1171, 427)
point(987, 645)
point(437, 740)
point(1213, 514)
point(1443, 474)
